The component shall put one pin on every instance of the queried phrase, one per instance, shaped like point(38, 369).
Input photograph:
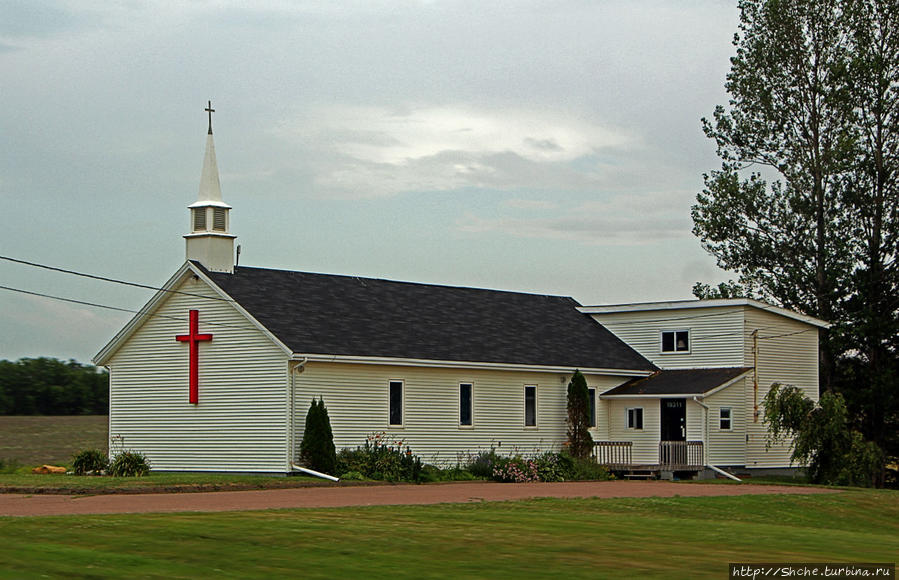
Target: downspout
point(293, 367)
point(297, 368)
point(705, 443)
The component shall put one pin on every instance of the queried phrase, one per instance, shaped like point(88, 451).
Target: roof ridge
point(405, 282)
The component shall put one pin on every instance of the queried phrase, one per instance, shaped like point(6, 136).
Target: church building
point(218, 369)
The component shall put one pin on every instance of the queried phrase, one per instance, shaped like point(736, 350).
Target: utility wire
point(105, 279)
point(115, 308)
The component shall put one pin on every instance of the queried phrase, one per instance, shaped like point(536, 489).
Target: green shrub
point(129, 464)
point(548, 466)
point(353, 476)
point(515, 470)
point(9, 465)
point(317, 448)
point(482, 464)
point(381, 459)
point(90, 462)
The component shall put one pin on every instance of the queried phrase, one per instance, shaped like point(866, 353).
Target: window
point(465, 404)
point(199, 219)
point(724, 418)
point(396, 403)
point(635, 418)
point(591, 397)
point(530, 406)
point(218, 219)
point(675, 341)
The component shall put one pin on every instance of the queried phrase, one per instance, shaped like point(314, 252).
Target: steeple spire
point(210, 241)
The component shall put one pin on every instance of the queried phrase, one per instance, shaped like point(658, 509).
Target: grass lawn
point(585, 538)
point(35, 440)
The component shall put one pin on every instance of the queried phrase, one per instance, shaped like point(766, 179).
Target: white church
point(218, 369)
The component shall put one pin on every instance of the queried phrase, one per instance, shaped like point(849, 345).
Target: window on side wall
point(591, 397)
point(530, 405)
point(635, 418)
point(396, 404)
point(724, 418)
point(465, 405)
point(674, 341)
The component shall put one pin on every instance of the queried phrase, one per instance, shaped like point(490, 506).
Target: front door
point(674, 419)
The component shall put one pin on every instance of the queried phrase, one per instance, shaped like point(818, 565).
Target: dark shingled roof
point(345, 315)
point(679, 382)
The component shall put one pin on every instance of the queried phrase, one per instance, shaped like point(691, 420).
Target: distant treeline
point(47, 386)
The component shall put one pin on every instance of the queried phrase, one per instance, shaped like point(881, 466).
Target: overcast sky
point(549, 147)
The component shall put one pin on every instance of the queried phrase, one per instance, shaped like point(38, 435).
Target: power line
point(105, 279)
point(115, 308)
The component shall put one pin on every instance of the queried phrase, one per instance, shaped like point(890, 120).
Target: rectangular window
point(396, 402)
point(530, 406)
point(724, 418)
point(675, 341)
point(218, 219)
point(465, 404)
point(635, 418)
point(199, 219)
point(591, 397)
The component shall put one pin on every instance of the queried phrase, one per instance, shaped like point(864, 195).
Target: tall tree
point(804, 207)
point(873, 198)
point(788, 118)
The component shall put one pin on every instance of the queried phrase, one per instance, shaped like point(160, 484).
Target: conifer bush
point(317, 448)
point(580, 442)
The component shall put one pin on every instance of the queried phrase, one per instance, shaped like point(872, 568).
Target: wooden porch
point(672, 456)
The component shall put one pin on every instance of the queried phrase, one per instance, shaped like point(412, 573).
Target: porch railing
point(680, 455)
point(613, 453)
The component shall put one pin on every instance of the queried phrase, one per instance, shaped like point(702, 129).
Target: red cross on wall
point(194, 339)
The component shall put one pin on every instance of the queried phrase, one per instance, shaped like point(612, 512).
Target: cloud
point(529, 204)
point(630, 220)
point(373, 151)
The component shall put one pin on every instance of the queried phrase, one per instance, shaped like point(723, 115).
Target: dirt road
point(337, 496)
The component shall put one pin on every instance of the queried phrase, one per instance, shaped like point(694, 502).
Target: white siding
point(715, 335)
point(240, 423)
point(787, 353)
point(357, 400)
point(727, 448)
point(646, 440)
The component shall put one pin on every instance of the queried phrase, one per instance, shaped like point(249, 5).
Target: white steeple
point(210, 241)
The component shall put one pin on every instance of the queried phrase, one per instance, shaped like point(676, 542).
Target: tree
point(804, 206)
point(47, 386)
point(580, 442)
point(317, 448)
point(821, 437)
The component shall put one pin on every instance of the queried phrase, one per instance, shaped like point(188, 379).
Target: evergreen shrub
point(317, 448)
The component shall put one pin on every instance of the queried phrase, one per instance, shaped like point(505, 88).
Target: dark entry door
point(674, 419)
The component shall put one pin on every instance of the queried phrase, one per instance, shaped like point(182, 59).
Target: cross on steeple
point(210, 110)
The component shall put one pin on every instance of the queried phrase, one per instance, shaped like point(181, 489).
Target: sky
point(552, 147)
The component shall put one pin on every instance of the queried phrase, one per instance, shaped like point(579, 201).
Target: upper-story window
point(675, 341)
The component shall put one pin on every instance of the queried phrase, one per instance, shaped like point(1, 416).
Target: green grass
point(36, 440)
point(153, 483)
point(593, 538)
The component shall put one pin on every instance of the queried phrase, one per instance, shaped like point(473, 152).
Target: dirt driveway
point(337, 496)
